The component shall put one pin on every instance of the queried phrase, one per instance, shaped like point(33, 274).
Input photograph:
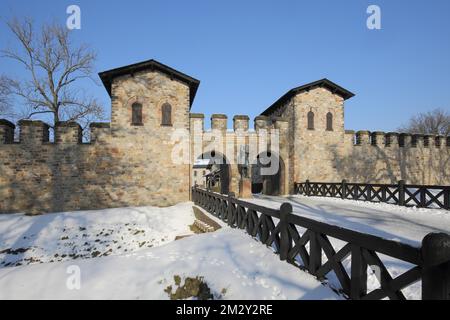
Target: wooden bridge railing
point(280, 229)
point(400, 194)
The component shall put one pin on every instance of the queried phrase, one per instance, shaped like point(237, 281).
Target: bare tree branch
point(436, 122)
point(53, 65)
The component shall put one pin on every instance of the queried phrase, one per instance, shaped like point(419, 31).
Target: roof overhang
point(108, 76)
point(323, 83)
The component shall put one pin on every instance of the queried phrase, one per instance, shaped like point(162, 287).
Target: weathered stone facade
point(324, 155)
point(130, 164)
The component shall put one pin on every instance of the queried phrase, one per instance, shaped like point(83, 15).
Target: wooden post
point(447, 198)
point(436, 268)
point(358, 283)
point(355, 192)
point(344, 189)
point(285, 239)
point(230, 218)
point(315, 254)
point(401, 193)
point(423, 197)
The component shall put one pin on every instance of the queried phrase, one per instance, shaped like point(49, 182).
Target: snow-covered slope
point(85, 234)
point(227, 259)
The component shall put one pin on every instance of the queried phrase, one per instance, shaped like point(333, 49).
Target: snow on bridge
point(404, 224)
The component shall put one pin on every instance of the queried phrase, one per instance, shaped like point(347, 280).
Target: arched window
point(310, 120)
point(136, 114)
point(166, 112)
point(329, 121)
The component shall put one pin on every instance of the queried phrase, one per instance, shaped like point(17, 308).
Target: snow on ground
point(233, 265)
point(406, 225)
point(85, 234)
point(129, 253)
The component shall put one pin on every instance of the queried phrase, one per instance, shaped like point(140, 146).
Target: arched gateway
point(224, 168)
point(265, 180)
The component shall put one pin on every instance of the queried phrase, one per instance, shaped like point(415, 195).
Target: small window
point(195, 173)
point(329, 121)
point(448, 141)
point(166, 111)
point(136, 114)
point(310, 120)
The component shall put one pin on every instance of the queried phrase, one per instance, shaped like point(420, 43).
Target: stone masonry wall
point(133, 165)
point(368, 158)
point(123, 165)
point(329, 156)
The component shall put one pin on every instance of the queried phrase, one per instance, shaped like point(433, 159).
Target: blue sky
point(248, 53)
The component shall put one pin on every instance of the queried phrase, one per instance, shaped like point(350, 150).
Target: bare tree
point(435, 122)
point(53, 65)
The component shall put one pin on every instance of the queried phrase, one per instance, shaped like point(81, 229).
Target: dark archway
point(218, 172)
point(268, 174)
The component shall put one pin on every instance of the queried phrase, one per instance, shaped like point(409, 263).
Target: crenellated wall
point(124, 164)
point(389, 157)
point(129, 162)
point(39, 176)
point(116, 170)
point(325, 154)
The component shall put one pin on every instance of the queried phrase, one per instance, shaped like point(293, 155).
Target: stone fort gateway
point(130, 161)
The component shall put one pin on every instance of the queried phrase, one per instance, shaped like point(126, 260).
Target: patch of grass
point(14, 251)
point(95, 254)
point(192, 288)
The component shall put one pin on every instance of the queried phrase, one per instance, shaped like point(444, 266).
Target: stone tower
point(316, 128)
point(150, 105)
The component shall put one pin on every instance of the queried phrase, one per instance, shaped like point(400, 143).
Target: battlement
point(240, 123)
point(33, 132)
point(395, 139)
point(36, 132)
point(100, 131)
point(6, 132)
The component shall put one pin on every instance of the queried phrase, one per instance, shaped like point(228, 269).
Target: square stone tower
point(315, 112)
point(150, 104)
